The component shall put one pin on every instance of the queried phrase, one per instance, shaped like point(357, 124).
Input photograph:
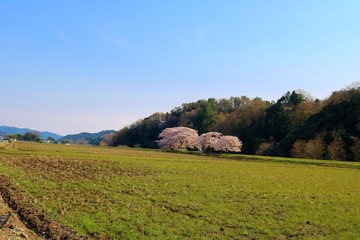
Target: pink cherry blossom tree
point(178, 138)
point(205, 141)
point(228, 144)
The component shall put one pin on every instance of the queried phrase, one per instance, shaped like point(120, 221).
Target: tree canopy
point(270, 128)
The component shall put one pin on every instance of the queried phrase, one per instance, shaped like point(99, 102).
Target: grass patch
point(324, 163)
point(121, 193)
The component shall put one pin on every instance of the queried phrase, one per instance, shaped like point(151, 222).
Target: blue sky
point(73, 66)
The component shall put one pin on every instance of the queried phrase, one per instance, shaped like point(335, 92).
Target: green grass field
point(122, 193)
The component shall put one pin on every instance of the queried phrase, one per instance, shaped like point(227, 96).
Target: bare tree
point(307, 96)
point(336, 149)
point(297, 149)
point(315, 148)
point(107, 140)
point(265, 149)
point(353, 86)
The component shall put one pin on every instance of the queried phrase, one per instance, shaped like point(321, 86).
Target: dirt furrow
point(14, 228)
point(26, 215)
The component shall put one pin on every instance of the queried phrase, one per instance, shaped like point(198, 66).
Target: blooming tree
point(206, 141)
point(228, 144)
point(178, 138)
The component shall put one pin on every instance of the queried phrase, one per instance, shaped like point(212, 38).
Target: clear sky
point(73, 66)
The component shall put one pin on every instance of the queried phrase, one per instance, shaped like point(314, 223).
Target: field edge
point(34, 217)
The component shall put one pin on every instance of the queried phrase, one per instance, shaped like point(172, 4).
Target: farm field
point(123, 193)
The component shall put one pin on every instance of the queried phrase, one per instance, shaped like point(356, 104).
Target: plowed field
point(14, 228)
point(121, 193)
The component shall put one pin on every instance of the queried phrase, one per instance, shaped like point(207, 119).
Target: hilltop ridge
point(4, 130)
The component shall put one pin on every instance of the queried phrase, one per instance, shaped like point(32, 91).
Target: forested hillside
point(85, 138)
point(295, 125)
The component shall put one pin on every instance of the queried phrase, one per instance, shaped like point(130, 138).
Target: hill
point(337, 125)
point(87, 138)
point(295, 125)
point(4, 130)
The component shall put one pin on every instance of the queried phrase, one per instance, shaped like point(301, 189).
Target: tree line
point(296, 125)
point(31, 137)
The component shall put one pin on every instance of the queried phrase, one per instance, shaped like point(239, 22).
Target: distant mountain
point(45, 135)
point(4, 130)
point(86, 138)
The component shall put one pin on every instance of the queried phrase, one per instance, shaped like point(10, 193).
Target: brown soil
point(14, 228)
point(31, 216)
point(60, 169)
